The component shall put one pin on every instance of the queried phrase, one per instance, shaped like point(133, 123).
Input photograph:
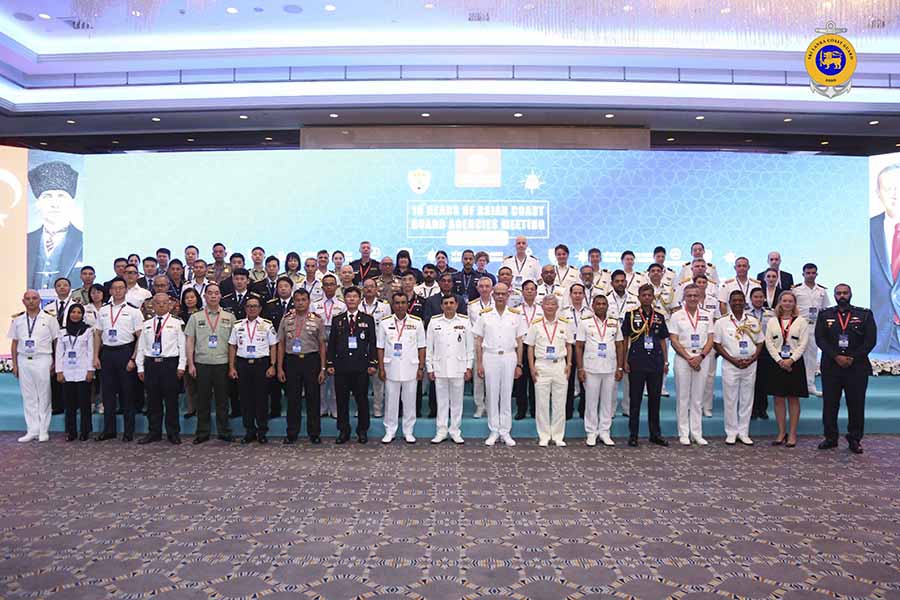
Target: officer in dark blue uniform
point(646, 362)
point(352, 357)
point(846, 335)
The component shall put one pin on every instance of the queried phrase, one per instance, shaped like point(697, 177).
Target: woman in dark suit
point(404, 265)
point(771, 287)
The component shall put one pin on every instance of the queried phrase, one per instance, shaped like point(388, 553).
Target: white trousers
point(449, 404)
point(811, 359)
point(550, 399)
point(710, 380)
point(499, 374)
point(34, 383)
point(393, 390)
point(690, 387)
point(599, 388)
point(737, 385)
point(377, 394)
point(478, 391)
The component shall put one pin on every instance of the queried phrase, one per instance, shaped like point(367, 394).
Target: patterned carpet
point(88, 520)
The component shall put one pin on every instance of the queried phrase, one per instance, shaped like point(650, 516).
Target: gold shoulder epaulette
point(538, 320)
point(385, 318)
point(564, 319)
point(487, 309)
point(729, 280)
point(473, 301)
point(17, 315)
point(514, 310)
point(414, 317)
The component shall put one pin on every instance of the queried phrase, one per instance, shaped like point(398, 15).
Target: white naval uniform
point(618, 307)
point(314, 289)
point(711, 272)
point(265, 337)
point(599, 358)
point(171, 338)
point(575, 318)
point(58, 309)
point(515, 298)
point(401, 340)
point(603, 280)
point(198, 286)
point(665, 303)
point(810, 302)
point(500, 335)
point(690, 385)
point(327, 310)
point(551, 344)
point(739, 338)
point(730, 285)
point(427, 291)
point(35, 337)
point(562, 299)
point(379, 310)
point(523, 270)
point(711, 304)
point(450, 350)
point(634, 281)
point(474, 310)
point(565, 278)
point(136, 295)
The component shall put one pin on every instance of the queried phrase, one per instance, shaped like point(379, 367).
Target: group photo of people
point(254, 338)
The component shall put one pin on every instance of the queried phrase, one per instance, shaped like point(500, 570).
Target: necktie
point(61, 313)
point(272, 289)
point(240, 298)
point(895, 252)
point(283, 307)
point(158, 329)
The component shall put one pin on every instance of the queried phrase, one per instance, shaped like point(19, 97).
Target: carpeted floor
point(88, 520)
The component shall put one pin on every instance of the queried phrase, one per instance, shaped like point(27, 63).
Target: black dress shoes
point(248, 439)
point(175, 439)
point(315, 440)
point(855, 448)
point(289, 440)
point(83, 437)
point(632, 441)
point(225, 438)
point(262, 439)
point(105, 436)
point(70, 437)
point(147, 439)
point(659, 441)
point(127, 438)
point(342, 438)
point(519, 416)
point(201, 439)
point(828, 444)
point(764, 415)
point(362, 438)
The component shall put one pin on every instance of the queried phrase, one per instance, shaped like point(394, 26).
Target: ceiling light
point(44, 16)
point(345, 132)
point(824, 142)
point(699, 117)
point(232, 10)
point(45, 143)
point(609, 115)
point(244, 117)
point(874, 122)
point(426, 115)
point(70, 121)
point(670, 139)
point(429, 5)
point(788, 119)
point(627, 8)
point(897, 145)
point(268, 139)
point(155, 119)
point(190, 139)
point(748, 140)
point(115, 141)
point(136, 13)
point(725, 10)
point(518, 115)
point(529, 6)
point(334, 115)
point(330, 8)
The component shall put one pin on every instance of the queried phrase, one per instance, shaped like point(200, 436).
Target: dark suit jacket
point(340, 356)
point(469, 291)
point(884, 292)
point(433, 307)
point(272, 310)
point(787, 280)
point(70, 257)
point(230, 303)
point(262, 288)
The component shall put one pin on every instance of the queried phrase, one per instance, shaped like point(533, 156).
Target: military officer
point(522, 265)
point(602, 276)
point(401, 364)
point(235, 301)
point(275, 309)
point(388, 283)
point(663, 293)
point(364, 267)
point(549, 342)
point(251, 361)
point(846, 334)
point(301, 365)
point(449, 356)
point(498, 355)
point(312, 283)
point(523, 387)
point(564, 275)
point(600, 353)
point(220, 269)
point(149, 307)
point(328, 308)
point(258, 272)
point(346, 280)
point(739, 339)
point(505, 275)
point(378, 309)
point(759, 311)
point(548, 285)
point(691, 335)
point(352, 358)
point(646, 363)
point(621, 301)
point(475, 309)
point(591, 288)
point(161, 362)
point(812, 299)
point(575, 313)
point(741, 282)
point(134, 294)
point(709, 301)
point(698, 267)
point(659, 258)
point(34, 334)
point(698, 250)
point(267, 287)
point(465, 282)
point(82, 295)
point(633, 278)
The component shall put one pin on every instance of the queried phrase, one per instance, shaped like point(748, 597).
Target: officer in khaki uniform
point(206, 349)
point(549, 341)
point(301, 365)
point(251, 361)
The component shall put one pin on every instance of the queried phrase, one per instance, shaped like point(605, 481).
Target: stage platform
point(882, 416)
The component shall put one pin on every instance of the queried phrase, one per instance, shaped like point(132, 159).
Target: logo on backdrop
point(830, 62)
point(419, 180)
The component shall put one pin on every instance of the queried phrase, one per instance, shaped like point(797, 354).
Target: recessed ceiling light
point(44, 16)
point(874, 122)
point(670, 139)
point(426, 115)
point(155, 119)
point(788, 119)
point(345, 132)
point(190, 139)
point(699, 117)
point(115, 141)
point(330, 7)
point(725, 10)
point(897, 145)
point(748, 140)
point(627, 8)
point(429, 5)
point(136, 13)
point(824, 142)
point(518, 115)
point(334, 115)
point(268, 139)
point(45, 143)
point(232, 10)
point(609, 115)
point(244, 117)
point(70, 121)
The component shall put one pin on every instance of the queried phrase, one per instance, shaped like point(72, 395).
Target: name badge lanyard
point(363, 273)
point(561, 279)
point(603, 332)
point(620, 305)
point(298, 326)
point(400, 325)
point(550, 337)
point(533, 313)
point(844, 340)
point(31, 324)
point(72, 340)
point(695, 322)
point(785, 331)
point(251, 334)
point(213, 326)
point(327, 311)
point(113, 318)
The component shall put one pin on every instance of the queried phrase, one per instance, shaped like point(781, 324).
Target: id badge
point(695, 341)
point(112, 335)
point(157, 349)
point(398, 349)
point(843, 340)
point(744, 347)
point(213, 341)
point(296, 346)
point(813, 312)
point(601, 349)
point(351, 342)
point(72, 358)
point(550, 353)
point(29, 346)
point(785, 351)
point(251, 350)
point(648, 342)
point(517, 281)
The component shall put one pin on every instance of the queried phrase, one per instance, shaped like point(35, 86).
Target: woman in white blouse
point(75, 371)
point(786, 339)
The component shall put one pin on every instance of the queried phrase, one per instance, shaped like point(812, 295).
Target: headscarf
point(75, 329)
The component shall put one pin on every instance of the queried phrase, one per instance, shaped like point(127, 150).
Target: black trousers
point(356, 382)
point(570, 396)
point(57, 400)
point(523, 389)
point(77, 397)
point(636, 381)
point(118, 387)
point(853, 386)
point(161, 383)
point(212, 380)
point(302, 375)
point(252, 382)
point(760, 398)
point(234, 397)
point(274, 390)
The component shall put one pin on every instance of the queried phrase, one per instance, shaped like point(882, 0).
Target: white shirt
point(599, 337)
point(75, 355)
point(810, 301)
point(35, 335)
point(59, 307)
point(619, 305)
point(555, 289)
point(530, 313)
point(328, 309)
point(565, 277)
point(691, 330)
point(379, 310)
point(314, 289)
point(401, 339)
point(664, 299)
point(253, 338)
point(450, 346)
point(633, 281)
point(523, 270)
point(136, 295)
point(90, 314)
point(515, 298)
point(889, 225)
point(576, 317)
point(171, 341)
point(199, 286)
point(738, 345)
point(427, 291)
point(123, 319)
point(711, 272)
point(500, 333)
point(730, 285)
point(550, 340)
point(476, 307)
